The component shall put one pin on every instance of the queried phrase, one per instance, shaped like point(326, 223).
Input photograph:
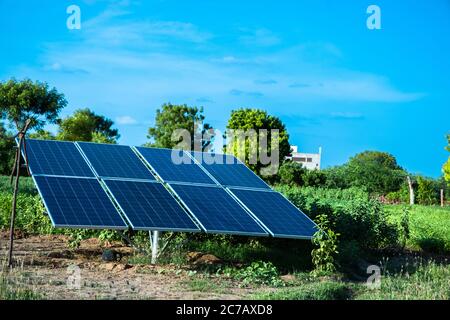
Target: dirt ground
point(48, 266)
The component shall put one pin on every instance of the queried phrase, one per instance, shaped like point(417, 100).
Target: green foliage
point(325, 240)
point(12, 289)
point(6, 150)
point(42, 135)
point(400, 196)
point(418, 281)
point(23, 100)
point(377, 171)
point(404, 227)
point(446, 166)
point(354, 214)
point(314, 178)
point(173, 117)
point(427, 193)
point(323, 290)
point(258, 120)
point(291, 173)
point(26, 186)
point(259, 273)
point(429, 227)
point(85, 125)
point(294, 174)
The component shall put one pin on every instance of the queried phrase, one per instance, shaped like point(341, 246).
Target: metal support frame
point(155, 246)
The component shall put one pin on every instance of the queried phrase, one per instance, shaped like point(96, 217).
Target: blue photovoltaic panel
point(229, 171)
point(78, 203)
point(280, 216)
point(56, 158)
point(149, 206)
point(217, 211)
point(115, 161)
point(174, 166)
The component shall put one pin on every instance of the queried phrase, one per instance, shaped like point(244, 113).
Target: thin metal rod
point(155, 243)
point(14, 204)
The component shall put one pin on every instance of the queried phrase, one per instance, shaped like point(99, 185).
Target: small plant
point(404, 227)
point(259, 273)
point(323, 257)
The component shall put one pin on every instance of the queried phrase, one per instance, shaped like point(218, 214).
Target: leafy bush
point(257, 273)
point(291, 173)
point(354, 214)
point(427, 193)
point(325, 241)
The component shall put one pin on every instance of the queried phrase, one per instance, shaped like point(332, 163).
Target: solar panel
point(174, 165)
point(217, 211)
point(115, 161)
point(78, 203)
point(229, 171)
point(280, 216)
point(149, 206)
point(56, 158)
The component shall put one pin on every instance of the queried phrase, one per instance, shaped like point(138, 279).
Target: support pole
point(442, 197)
point(14, 204)
point(21, 135)
point(155, 243)
point(411, 191)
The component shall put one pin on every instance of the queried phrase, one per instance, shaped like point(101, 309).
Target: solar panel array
point(115, 161)
point(57, 158)
point(90, 185)
point(229, 171)
point(217, 211)
point(78, 203)
point(149, 206)
point(280, 216)
point(174, 165)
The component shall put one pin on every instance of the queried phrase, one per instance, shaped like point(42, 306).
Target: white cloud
point(126, 120)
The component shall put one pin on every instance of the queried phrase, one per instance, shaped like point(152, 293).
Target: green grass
point(427, 281)
point(26, 185)
point(418, 281)
point(13, 289)
point(429, 227)
point(327, 290)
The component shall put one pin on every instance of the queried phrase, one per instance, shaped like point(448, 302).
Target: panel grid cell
point(280, 216)
point(217, 211)
point(115, 161)
point(78, 202)
point(149, 206)
point(228, 171)
point(175, 166)
point(56, 158)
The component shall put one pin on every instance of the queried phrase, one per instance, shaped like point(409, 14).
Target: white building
point(309, 161)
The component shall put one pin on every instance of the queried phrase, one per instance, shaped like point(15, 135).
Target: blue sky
point(335, 83)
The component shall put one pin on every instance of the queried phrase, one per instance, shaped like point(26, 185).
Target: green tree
point(261, 123)
point(6, 150)
point(42, 135)
point(170, 118)
point(291, 173)
point(446, 167)
point(314, 178)
point(23, 100)
point(427, 193)
point(85, 125)
point(377, 171)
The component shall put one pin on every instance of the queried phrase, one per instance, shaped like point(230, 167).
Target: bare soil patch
point(50, 267)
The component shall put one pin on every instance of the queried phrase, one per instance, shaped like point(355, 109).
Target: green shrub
point(291, 173)
point(354, 214)
point(258, 273)
point(427, 193)
point(325, 240)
